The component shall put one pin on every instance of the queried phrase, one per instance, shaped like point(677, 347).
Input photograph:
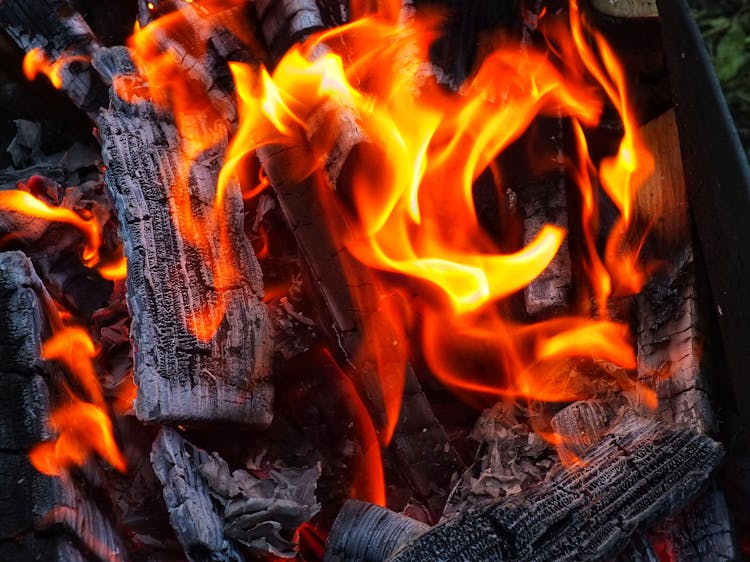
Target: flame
point(36, 61)
point(412, 204)
point(82, 428)
point(24, 202)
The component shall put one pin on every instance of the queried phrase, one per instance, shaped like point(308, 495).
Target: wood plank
point(670, 334)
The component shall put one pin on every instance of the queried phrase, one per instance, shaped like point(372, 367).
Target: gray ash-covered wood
point(41, 517)
point(57, 28)
point(179, 377)
point(364, 532)
point(641, 471)
point(194, 517)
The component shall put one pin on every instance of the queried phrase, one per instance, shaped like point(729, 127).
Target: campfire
point(359, 281)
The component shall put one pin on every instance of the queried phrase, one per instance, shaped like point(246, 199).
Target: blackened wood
point(286, 22)
point(364, 532)
point(41, 517)
point(194, 518)
point(581, 425)
point(641, 471)
point(349, 290)
point(541, 204)
point(181, 378)
point(670, 337)
point(59, 30)
point(718, 188)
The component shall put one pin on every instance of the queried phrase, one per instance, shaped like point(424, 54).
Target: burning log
point(640, 471)
point(364, 532)
point(419, 442)
point(181, 377)
point(540, 205)
point(670, 337)
point(58, 42)
point(43, 517)
point(626, 8)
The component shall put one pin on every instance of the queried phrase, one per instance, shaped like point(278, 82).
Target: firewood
point(627, 8)
point(541, 204)
point(196, 521)
point(181, 378)
point(41, 517)
point(57, 28)
point(670, 332)
point(419, 442)
point(641, 471)
point(364, 532)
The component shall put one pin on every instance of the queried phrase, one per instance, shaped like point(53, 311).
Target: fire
point(36, 61)
point(409, 210)
point(413, 209)
point(25, 203)
point(82, 428)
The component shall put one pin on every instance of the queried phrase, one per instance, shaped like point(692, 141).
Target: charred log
point(641, 471)
point(670, 335)
point(364, 532)
point(419, 442)
point(55, 27)
point(43, 517)
point(181, 378)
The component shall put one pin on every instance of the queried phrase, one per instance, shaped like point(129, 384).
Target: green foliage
point(725, 25)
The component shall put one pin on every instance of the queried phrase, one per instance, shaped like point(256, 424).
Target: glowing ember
point(82, 428)
point(36, 61)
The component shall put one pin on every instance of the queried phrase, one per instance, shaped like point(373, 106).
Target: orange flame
point(82, 428)
point(72, 346)
point(36, 61)
point(26, 203)
point(413, 204)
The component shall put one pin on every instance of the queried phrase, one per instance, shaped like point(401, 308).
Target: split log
point(41, 517)
point(641, 471)
point(179, 377)
point(546, 203)
point(419, 443)
point(363, 532)
point(670, 335)
point(57, 28)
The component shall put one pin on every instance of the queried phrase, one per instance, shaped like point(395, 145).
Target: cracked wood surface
point(181, 378)
point(640, 471)
point(41, 517)
point(670, 339)
point(57, 28)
